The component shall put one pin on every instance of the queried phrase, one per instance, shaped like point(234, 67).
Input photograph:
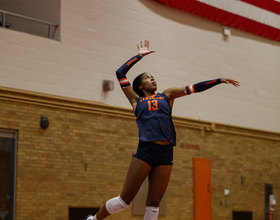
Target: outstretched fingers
point(143, 51)
point(146, 44)
point(231, 81)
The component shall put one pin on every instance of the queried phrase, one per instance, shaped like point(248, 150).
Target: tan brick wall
point(51, 173)
point(98, 36)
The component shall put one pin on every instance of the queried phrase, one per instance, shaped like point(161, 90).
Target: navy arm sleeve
point(202, 86)
point(121, 72)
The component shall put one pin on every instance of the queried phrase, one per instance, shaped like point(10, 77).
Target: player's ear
point(140, 87)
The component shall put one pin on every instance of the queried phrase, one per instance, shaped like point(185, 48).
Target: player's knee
point(115, 205)
point(151, 213)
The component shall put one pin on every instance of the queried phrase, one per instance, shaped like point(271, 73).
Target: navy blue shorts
point(155, 154)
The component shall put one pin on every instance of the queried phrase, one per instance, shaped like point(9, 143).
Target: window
point(7, 173)
point(242, 215)
point(36, 17)
point(81, 213)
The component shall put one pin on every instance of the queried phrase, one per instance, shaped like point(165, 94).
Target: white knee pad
point(115, 205)
point(151, 213)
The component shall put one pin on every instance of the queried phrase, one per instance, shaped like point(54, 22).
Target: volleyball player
point(154, 156)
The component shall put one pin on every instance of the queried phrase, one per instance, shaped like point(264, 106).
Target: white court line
point(246, 10)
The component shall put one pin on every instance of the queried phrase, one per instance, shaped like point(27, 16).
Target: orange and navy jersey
point(154, 119)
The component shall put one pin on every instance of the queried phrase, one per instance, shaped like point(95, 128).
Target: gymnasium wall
point(82, 158)
point(96, 37)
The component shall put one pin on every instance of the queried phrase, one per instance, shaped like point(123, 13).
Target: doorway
point(202, 189)
point(7, 173)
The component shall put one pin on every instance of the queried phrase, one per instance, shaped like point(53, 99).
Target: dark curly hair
point(136, 83)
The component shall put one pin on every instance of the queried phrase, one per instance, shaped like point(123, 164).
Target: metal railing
point(4, 13)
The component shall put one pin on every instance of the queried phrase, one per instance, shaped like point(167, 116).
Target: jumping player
point(154, 156)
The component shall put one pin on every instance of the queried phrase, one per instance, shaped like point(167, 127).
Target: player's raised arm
point(122, 71)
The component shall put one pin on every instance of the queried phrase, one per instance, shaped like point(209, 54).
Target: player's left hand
point(230, 81)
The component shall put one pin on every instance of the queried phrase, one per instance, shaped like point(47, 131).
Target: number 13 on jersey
point(153, 105)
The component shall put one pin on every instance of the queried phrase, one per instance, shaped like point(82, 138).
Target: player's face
point(148, 82)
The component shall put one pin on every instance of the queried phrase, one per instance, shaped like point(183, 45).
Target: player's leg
point(137, 172)
point(158, 182)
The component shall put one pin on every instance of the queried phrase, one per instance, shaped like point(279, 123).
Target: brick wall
point(98, 36)
point(81, 160)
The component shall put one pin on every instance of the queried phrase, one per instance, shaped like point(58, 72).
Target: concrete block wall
point(98, 36)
